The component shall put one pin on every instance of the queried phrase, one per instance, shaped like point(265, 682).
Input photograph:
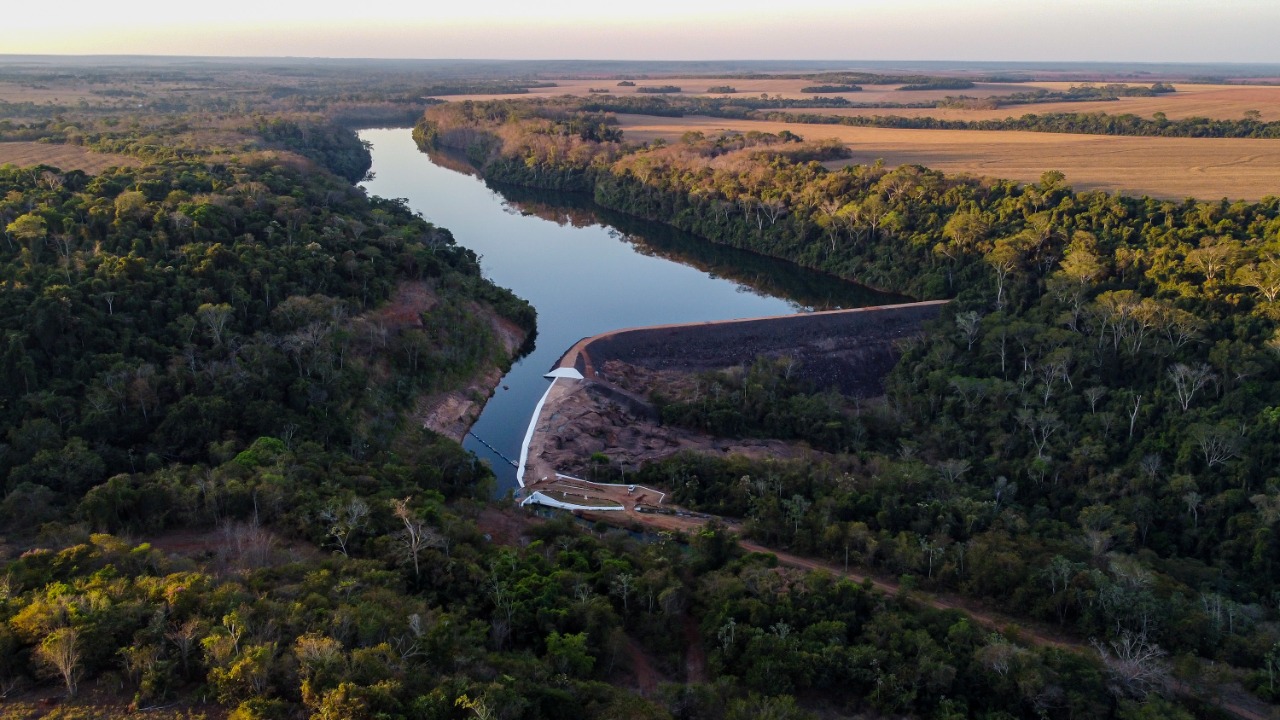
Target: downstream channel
point(586, 270)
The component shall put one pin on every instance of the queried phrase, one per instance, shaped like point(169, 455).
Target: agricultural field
point(1226, 102)
point(1219, 102)
point(64, 157)
point(787, 88)
point(1172, 168)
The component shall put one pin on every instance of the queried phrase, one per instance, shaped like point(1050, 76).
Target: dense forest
point(1088, 438)
point(217, 501)
point(161, 380)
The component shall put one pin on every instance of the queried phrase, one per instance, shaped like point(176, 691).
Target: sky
point(1010, 30)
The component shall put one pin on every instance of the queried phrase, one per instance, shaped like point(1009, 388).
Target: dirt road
point(1231, 700)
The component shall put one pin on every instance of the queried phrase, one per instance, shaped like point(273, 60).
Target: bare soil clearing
point(63, 157)
point(505, 526)
point(1175, 168)
point(579, 420)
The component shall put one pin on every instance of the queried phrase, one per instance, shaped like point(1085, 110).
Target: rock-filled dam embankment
point(850, 350)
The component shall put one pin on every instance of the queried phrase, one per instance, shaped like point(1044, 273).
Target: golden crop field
point(1220, 102)
point(769, 86)
point(1176, 168)
point(1226, 102)
point(64, 157)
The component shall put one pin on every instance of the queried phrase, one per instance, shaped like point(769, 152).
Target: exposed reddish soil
point(695, 656)
point(64, 157)
point(505, 526)
point(405, 308)
point(449, 413)
point(646, 676)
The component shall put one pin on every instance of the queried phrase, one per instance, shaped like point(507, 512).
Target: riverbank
point(450, 413)
point(584, 277)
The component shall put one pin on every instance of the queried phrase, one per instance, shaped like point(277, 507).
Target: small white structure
point(537, 498)
point(568, 373)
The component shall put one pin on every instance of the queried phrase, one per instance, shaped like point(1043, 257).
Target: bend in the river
point(586, 271)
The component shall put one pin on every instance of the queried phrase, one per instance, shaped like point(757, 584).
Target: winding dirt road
point(1235, 702)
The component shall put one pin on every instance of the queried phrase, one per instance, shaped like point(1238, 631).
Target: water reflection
point(586, 270)
point(764, 276)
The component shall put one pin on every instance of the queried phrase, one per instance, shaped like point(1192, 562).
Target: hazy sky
point(1120, 30)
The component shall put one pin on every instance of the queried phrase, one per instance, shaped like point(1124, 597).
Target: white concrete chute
point(564, 372)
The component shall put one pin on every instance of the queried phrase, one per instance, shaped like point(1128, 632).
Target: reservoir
point(586, 270)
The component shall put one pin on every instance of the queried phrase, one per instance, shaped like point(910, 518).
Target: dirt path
point(985, 618)
point(1234, 701)
point(695, 656)
point(646, 676)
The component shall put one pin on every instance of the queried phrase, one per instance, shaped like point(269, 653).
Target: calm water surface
point(586, 271)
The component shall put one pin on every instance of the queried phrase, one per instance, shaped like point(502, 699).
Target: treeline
point(1077, 123)
point(737, 107)
point(939, 84)
point(1102, 388)
point(868, 78)
point(487, 87)
point(1075, 93)
point(336, 149)
point(1097, 123)
point(830, 88)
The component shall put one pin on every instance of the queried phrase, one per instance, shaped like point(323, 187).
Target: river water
point(586, 271)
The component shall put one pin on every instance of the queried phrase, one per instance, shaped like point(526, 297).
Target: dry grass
point(1161, 167)
point(1227, 102)
point(60, 93)
point(64, 157)
point(785, 88)
point(1220, 102)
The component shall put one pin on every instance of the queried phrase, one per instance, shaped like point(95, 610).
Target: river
point(586, 270)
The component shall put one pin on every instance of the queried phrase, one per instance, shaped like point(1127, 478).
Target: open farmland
point(64, 157)
point(1161, 167)
point(1226, 102)
point(787, 88)
point(1220, 102)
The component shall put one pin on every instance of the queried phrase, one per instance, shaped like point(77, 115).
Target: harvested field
point(1175, 168)
point(64, 157)
point(785, 88)
point(18, 92)
point(1220, 102)
point(1227, 102)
